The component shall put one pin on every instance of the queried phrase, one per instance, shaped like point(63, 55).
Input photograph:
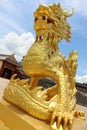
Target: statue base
point(17, 119)
point(3, 126)
point(13, 118)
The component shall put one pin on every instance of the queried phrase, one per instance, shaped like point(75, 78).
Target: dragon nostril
point(36, 19)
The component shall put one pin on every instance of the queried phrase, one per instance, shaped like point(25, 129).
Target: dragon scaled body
point(58, 103)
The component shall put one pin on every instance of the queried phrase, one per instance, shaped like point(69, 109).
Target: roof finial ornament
point(59, 5)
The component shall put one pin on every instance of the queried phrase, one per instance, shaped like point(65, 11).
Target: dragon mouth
point(39, 38)
point(41, 35)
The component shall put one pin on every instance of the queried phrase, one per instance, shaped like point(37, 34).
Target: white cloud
point(80, 6)
point(81, 79)
point(18, 44)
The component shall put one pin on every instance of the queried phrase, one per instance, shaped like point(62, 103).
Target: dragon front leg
point(62, 117)
point(33, 82)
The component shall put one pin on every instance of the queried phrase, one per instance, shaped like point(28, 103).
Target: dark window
point(7, 73)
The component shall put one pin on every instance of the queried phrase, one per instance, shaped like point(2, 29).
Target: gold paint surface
point(3, 126)
point(44, 59)
point(16, 119)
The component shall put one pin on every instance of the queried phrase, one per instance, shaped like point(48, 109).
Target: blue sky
point(17, 33)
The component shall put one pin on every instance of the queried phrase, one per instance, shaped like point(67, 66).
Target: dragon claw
point(61, 120)
point(79, 114)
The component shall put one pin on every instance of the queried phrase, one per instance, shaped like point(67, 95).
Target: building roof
point(9, 58)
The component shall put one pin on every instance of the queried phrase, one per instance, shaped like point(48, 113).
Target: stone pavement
point(3, 84)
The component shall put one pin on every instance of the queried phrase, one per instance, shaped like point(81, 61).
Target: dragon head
point(51, 22)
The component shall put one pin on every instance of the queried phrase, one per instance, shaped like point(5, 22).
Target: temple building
point(9, 66)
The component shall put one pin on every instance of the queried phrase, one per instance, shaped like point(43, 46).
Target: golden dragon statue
point(57, 104)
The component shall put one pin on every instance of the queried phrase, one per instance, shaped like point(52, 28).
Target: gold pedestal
point(13, 118)
point(16, 119)
point(3, 126)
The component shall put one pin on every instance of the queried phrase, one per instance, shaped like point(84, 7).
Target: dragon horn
point(59, 5)
point(68, 14)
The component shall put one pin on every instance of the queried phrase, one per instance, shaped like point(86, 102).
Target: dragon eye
point(36, 19)
point(59, 18)
point(48, 21)
point(43, 17)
